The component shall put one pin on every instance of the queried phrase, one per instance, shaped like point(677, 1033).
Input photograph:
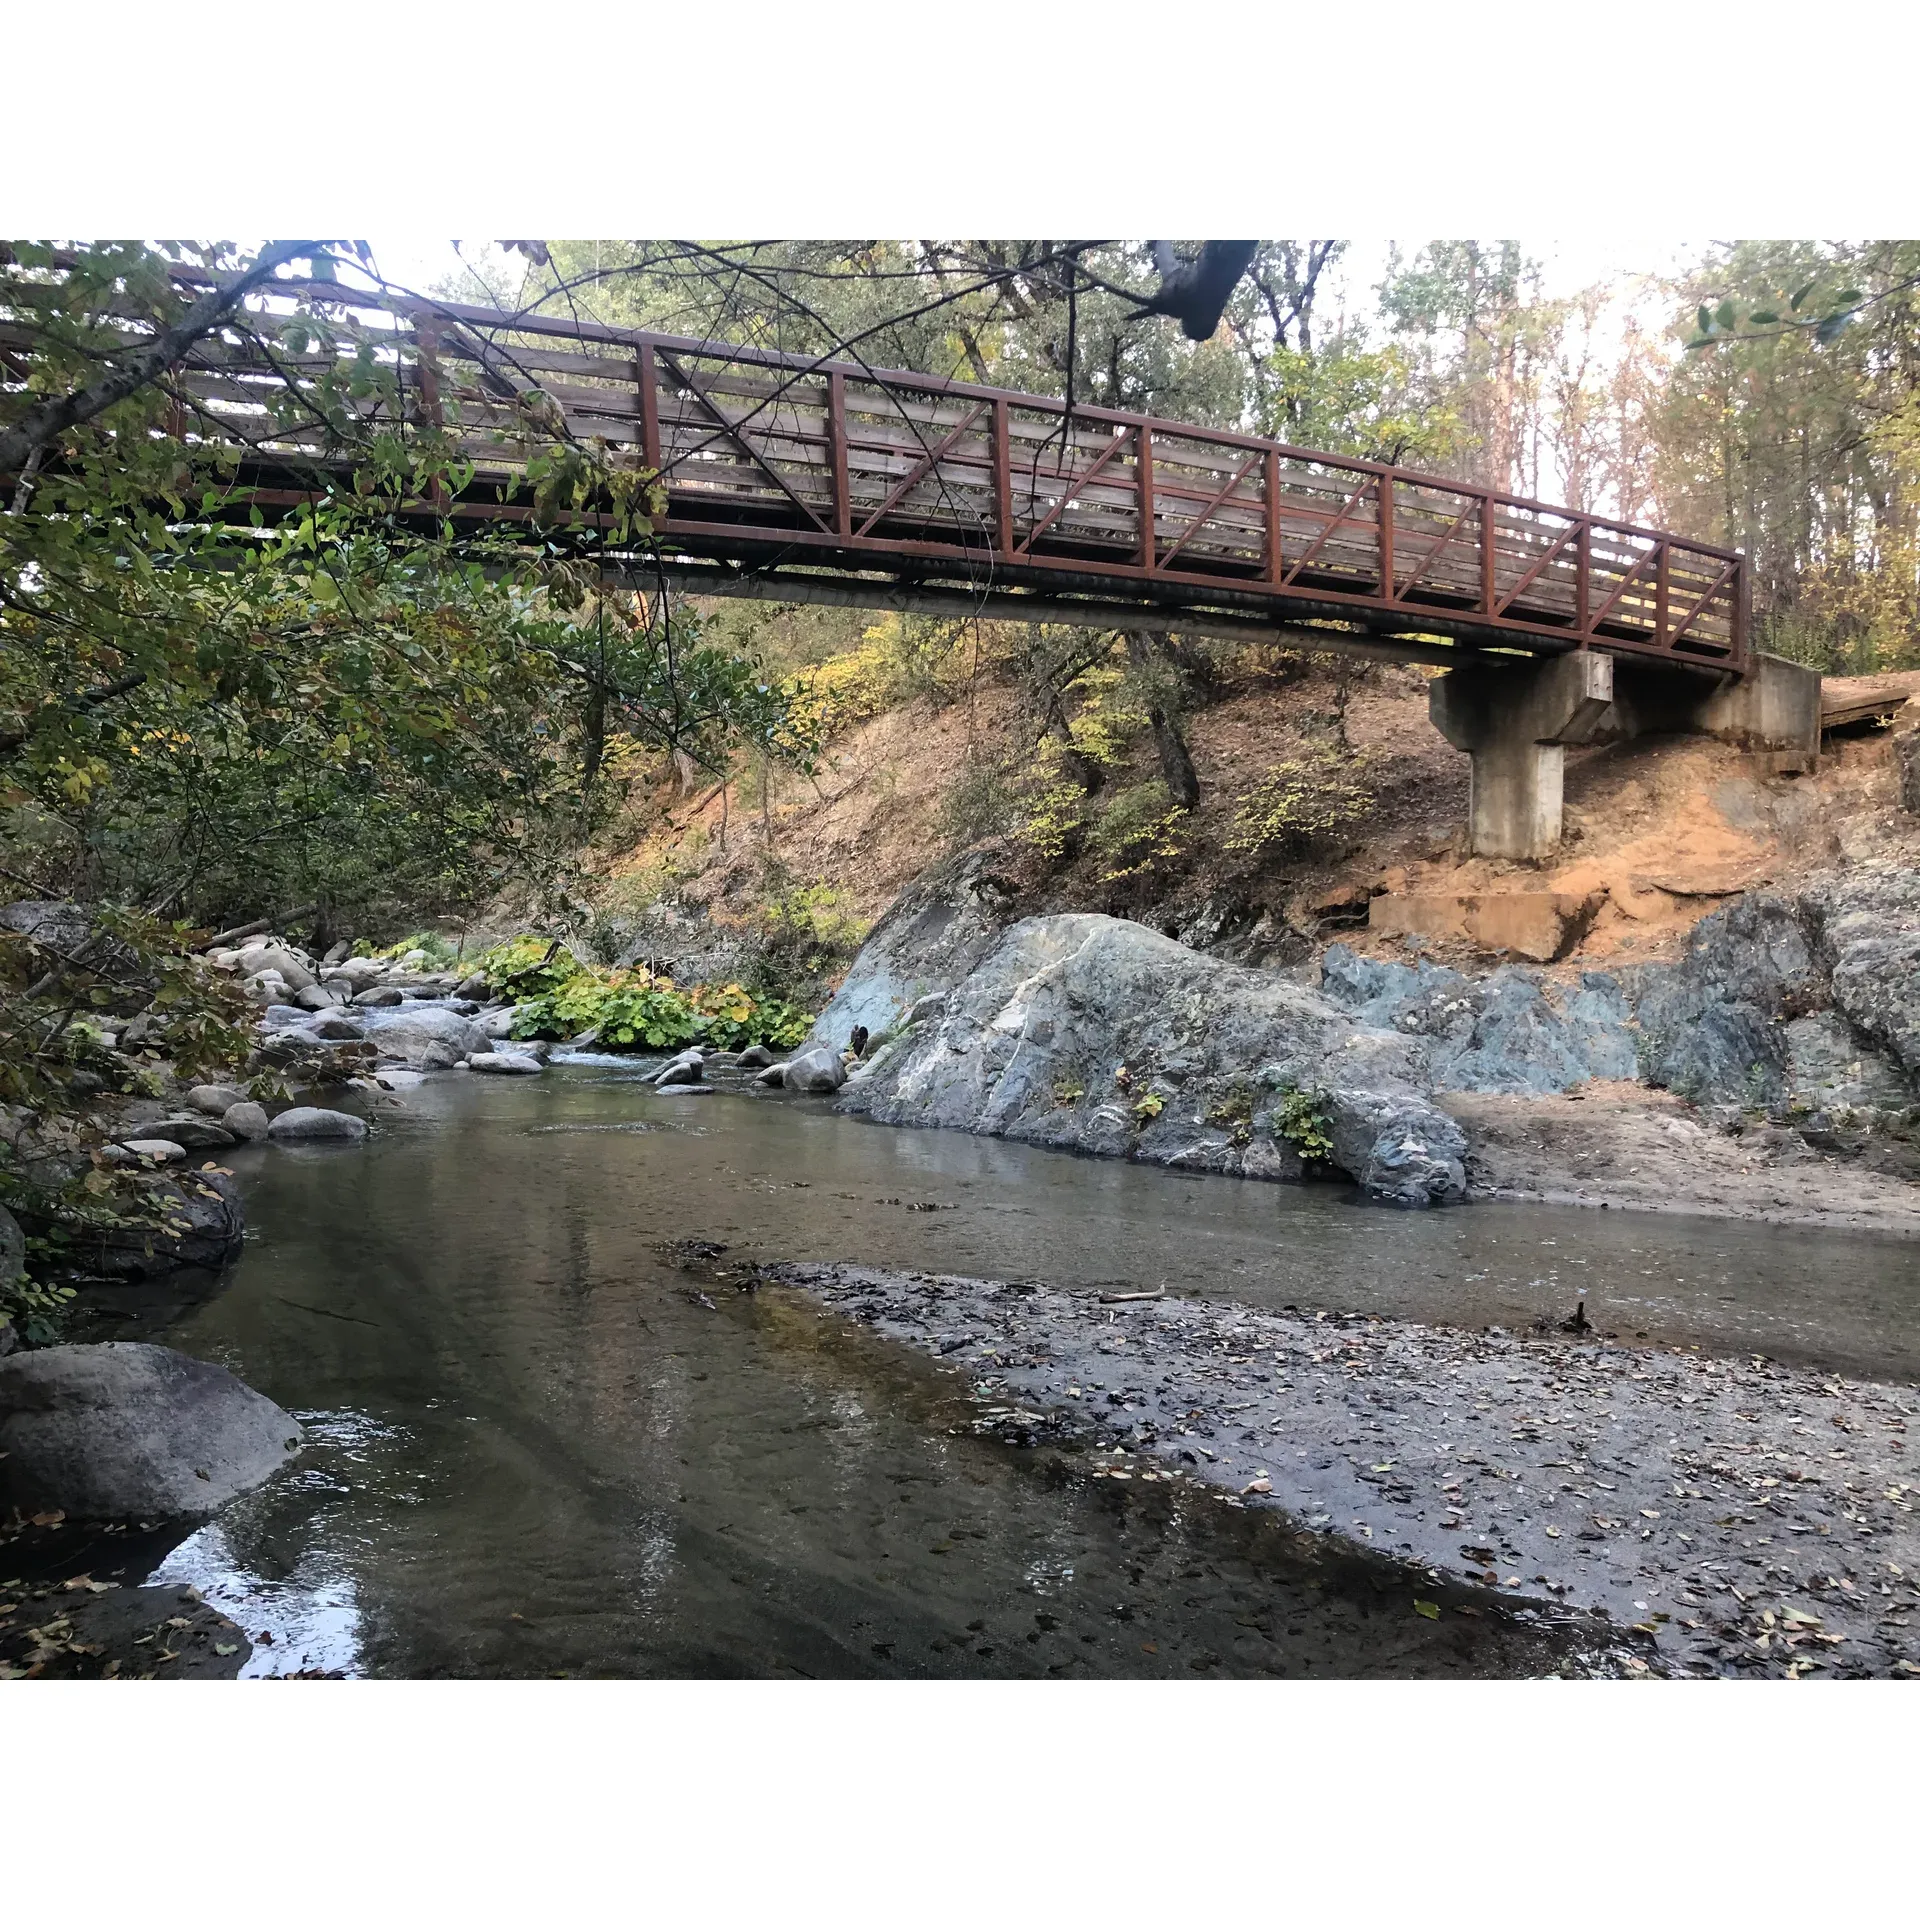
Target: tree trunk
point(1176, 763)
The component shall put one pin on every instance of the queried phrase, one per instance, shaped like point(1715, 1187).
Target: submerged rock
point(1082, 1031)
point(125, 1431)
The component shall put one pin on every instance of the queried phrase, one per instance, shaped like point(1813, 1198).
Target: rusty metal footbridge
point(795, 478)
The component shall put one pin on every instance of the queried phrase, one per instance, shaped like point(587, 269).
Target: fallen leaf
point(1553, 1533)
point(225, 1646)
point(1426, 1609)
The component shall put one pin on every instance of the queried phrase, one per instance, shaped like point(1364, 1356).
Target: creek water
point(546, 1439)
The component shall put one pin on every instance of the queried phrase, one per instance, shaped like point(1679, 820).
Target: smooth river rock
point(426, 1037)
point(215, 1099)
point(316, 1123)
point(160, 1152)
point(187, 1131)
point(815, 1069)
point(246, 1121)
point(124, 1431)
point(504, 1062)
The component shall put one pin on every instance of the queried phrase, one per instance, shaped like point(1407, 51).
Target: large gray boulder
point(1081, 1031)
point(246, 1120)
point(275, 958)
point(425, 1037)
point(932, 937)
point(815, 1069)
point(124, 1431)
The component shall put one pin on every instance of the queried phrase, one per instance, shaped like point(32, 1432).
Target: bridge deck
point(771, 460)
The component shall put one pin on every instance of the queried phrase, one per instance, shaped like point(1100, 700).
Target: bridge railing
point(765, 453)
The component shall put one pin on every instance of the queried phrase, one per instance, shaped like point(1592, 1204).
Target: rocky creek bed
point(1728, 1516)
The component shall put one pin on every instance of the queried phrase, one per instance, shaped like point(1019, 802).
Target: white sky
point(1569, 265)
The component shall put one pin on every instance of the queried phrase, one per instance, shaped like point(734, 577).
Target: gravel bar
point(1735, 1516)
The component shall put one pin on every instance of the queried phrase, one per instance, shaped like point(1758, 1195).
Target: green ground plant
point(555, 995)
point(1304, 1120)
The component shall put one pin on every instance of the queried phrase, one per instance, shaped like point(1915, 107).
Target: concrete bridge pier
point(1517, 721)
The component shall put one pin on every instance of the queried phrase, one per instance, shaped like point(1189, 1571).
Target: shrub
point(1138, 829)
point(1316, 791)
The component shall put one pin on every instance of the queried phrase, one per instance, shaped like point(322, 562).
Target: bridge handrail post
point(1275, 555)
point(1488, 583)
point(649, 382)
point(426, 366)
point(1384, 521)
point(1583, 576)
point(1660, 572)
point(837, 453)
point(1003, 478)
point(1149, 540)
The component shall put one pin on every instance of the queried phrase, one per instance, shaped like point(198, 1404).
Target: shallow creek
point(546, 1442)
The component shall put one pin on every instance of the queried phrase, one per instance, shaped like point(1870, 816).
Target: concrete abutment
point(1517, 721)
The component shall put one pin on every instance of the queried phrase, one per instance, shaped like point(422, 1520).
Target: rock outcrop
point(930, 939)
point(1513, 1031)
point(1807, 998)
point(1081, 1031)
point(125, 1431)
